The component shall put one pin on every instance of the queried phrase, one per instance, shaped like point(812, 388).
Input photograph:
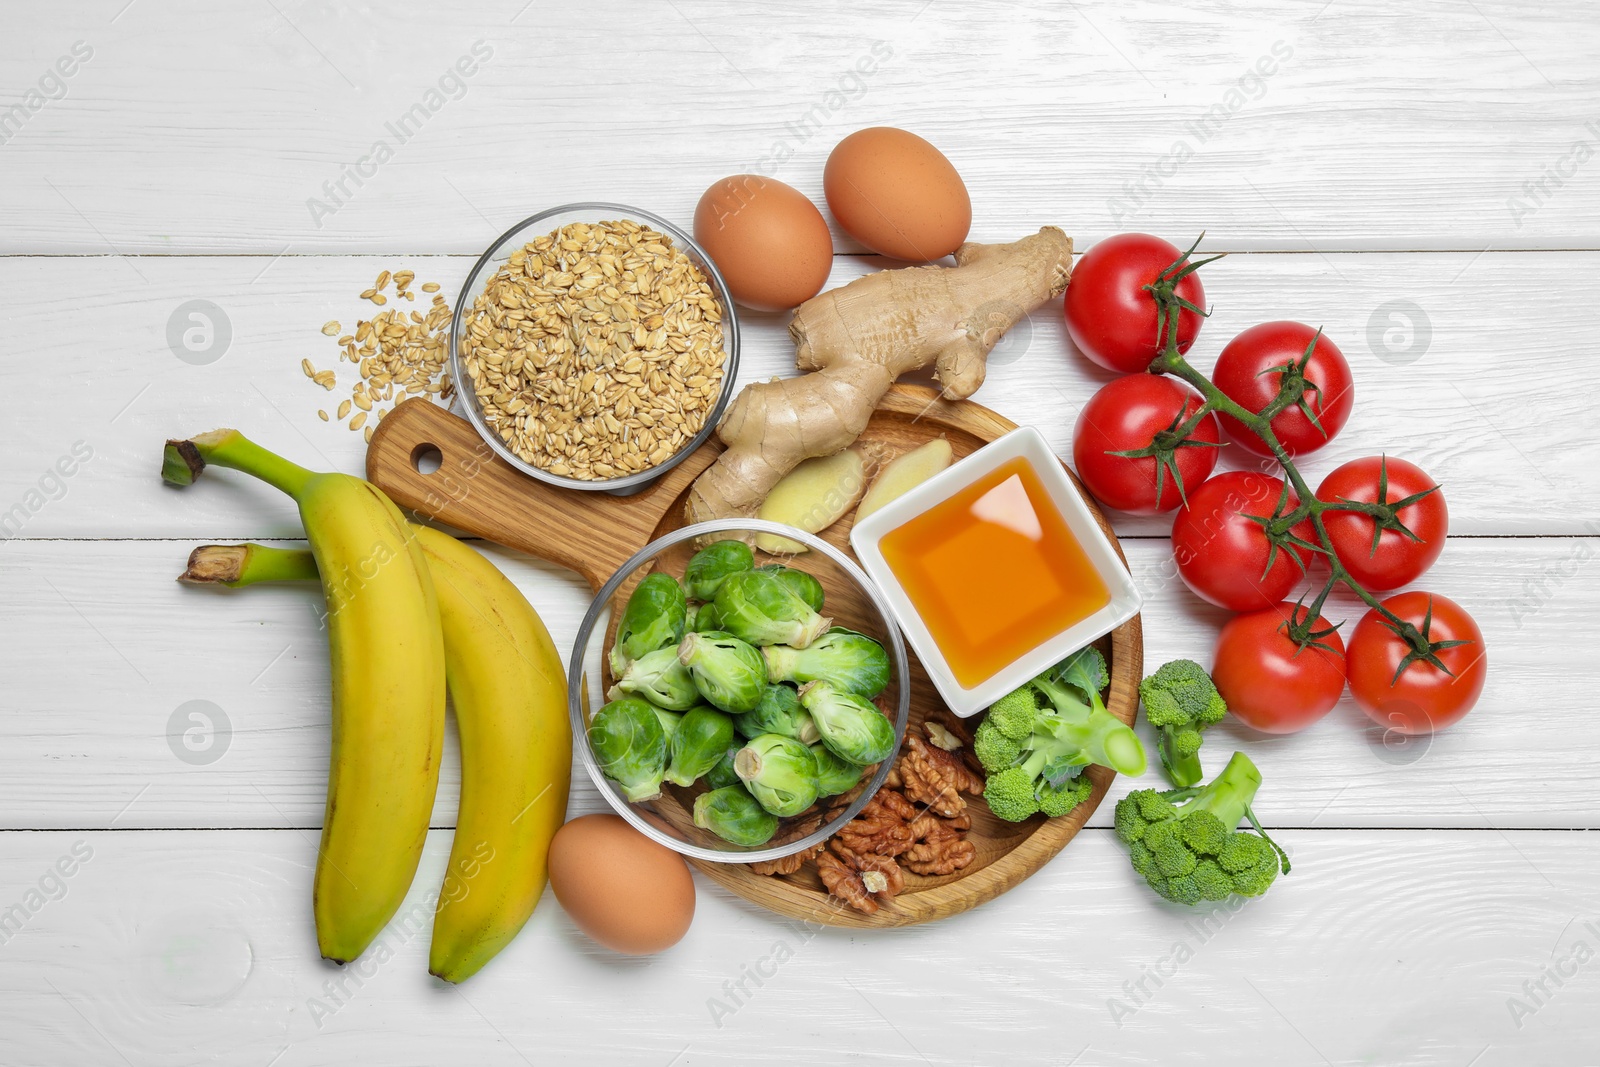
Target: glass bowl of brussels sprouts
point(739, 706)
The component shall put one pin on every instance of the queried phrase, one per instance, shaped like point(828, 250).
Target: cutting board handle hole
point(426, 458)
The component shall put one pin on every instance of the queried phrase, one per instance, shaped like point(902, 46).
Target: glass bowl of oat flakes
point(594, 346)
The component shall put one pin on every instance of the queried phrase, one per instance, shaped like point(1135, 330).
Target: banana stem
point(182, 461)
point(241, 565)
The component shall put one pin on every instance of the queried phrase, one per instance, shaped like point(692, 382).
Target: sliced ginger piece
point(904, 473)
point(816, 494)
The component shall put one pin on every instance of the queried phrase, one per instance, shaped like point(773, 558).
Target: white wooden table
point(1414, 177)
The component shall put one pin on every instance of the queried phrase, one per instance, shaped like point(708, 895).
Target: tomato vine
point(1293, 390)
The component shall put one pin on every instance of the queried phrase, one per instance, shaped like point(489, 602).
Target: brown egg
point(770, 243)
point(619, 887)
point(897, 194)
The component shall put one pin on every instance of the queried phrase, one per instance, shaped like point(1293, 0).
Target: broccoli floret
point(1165, 842)
point(1010, 794)
point(1037, 740)
point(1186, 844)
point(1144, 863)
point(1058, 800)
point(1204, 833)
point(1137, 811)
point(1212, 881)
point(1184, 889)
point(994, 749)
point(1013, 714)
point(1180, 701)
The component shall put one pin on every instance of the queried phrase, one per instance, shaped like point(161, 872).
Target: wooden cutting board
point(594, 533)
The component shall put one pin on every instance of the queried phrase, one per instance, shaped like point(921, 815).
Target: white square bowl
point(1029, 444)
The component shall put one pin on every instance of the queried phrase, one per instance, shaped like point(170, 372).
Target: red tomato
point(1110, 316)
point(1222, 555)
point(1422, 698)
point(1272, 684)
point(1395, 559)
point(1247, 371)
point(1126, 414)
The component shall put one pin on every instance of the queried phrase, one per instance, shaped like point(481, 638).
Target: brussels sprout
point(669, 723)
point(723, 774)
point(654, 618)
point(834, 775)
point(804, 585)
point(778, 713)
point(851, 726)
point(734, 815)
point(727, 671)
point(780, 773)
point(849, 661)
point(712, 564)
point(631, 747)
point(661, 678)
point(706, 619)
point(759, 607)
point(702, 738)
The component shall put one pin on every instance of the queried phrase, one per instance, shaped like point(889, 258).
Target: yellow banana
point(509, 691)
point(510, 694)
point(388, 665)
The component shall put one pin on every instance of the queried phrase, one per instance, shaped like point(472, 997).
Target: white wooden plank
point(1380, 947)
point(107, 649)
point(1480, 406)
point(198, 128)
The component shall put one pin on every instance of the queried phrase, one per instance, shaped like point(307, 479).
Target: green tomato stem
point(1171, 361)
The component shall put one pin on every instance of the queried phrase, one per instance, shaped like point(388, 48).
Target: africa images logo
point(51, 86)
point(451, 85)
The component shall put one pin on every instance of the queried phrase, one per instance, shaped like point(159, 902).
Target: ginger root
point(817, 494)
point(856, 340)
point(905, 473)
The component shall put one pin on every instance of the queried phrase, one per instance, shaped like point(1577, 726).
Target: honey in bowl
point(994, 571)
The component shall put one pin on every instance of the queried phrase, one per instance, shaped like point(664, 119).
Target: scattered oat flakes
point(323, 415)
point(330, 327)
point(394, 352)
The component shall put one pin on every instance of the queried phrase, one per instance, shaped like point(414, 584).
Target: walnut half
point(880, 874)
point(882, 827)
point(941, 847)
point(845, 883)
point(939, 855)
point(935, 777)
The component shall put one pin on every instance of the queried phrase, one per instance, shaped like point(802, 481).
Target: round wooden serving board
point(594, 533)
